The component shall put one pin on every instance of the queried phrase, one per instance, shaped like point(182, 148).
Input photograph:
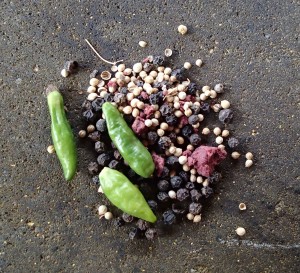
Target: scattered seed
point(187, 65)
point(225, 104)
point(190, 216)
point(168, 53)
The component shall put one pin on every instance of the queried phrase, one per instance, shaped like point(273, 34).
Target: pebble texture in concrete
point(252, 46)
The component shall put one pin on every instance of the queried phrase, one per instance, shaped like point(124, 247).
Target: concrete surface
point(252, 46)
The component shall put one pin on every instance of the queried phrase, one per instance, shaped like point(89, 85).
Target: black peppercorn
point(164, 142)
point(95, 136)
point(97, 104)
point(193, 119)
point(207, 191)
point(152, 204)
point(151, 233)
point(127, 218)
point(195, 139)
point(135, 233)
point(187, 130)
point(195, 195)
point(118, 222)
point(159, 60)
point(182, 194)
point(103, 159)
point(142, 225)
point(176, 182)
point(171, 120)
point(152, 137)
point(163, 185)
point(169, 217)
point(233, 142)
point(93, 168)
point(192, 89)
point(163, 196)
point(165, 110)
point(195, 208)
point(100, 147)
point(225, 115)
point(114, 164)
point(215, 177)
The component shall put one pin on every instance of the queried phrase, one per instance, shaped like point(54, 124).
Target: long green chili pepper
point(125, 195)
point(61, 132)
point(133, 151)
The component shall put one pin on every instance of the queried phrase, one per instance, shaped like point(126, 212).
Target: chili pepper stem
point(50, 88)
point(104, 60)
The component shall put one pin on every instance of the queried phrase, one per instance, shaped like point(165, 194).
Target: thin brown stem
point(106, 61)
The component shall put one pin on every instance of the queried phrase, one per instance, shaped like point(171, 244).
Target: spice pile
point(166, 112)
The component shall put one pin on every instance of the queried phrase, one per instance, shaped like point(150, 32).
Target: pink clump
point(144, 95)
point(139, 126)
point(205, 158)
point(183, 120)
point(187, 153)
point(159, 163)
point(148, 110)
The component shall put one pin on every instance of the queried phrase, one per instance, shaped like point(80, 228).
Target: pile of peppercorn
point(166, 112)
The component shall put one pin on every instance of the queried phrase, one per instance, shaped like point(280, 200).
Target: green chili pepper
point(133, 151)
point(125, 195)
point(61, 132)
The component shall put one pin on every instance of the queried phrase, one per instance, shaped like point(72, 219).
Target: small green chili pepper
point(61, 132)
point(133, 151)
point(125, 195)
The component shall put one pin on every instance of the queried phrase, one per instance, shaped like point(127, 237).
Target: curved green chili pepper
point(61, 132)
point(125, 195)
point(133, 151)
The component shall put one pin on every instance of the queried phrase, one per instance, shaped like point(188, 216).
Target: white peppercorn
point(182, 159)
point(91, 89)
point(148, 122)
point(217, 131)
point(50, 149)
point(248, 163)
point(219, 88)
point(137, 67)
point(172, 194)
point(142, 43)
point(197, 218)
point(94, 81)
point(249, 156)
point(64, 73)
point(225, 133)
point(102, 209)
point(127, 110)
point(235, 155)
point(160, 132)
point(108, 215)
point(190, 216)
point(205, 131)
point(219, 140)
point(225, 104)
point(199, 62)
point(182, 29)
point(187, 65)
point(240, 231)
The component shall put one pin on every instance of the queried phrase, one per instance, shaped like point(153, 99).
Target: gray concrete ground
point(252, 46)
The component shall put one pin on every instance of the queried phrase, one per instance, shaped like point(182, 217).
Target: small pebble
point(182, 29)
point(199, 62)
point(142, 43)
point(50, 149)
point(248, 163)
point(242, 206)
point(240, 231)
